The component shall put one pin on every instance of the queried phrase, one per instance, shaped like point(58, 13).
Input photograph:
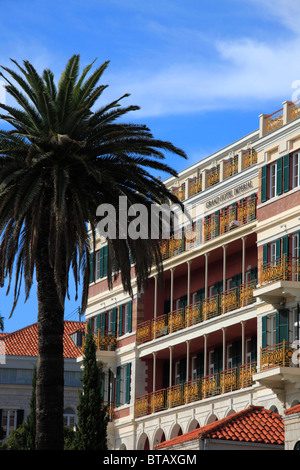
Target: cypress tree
point(92, 415)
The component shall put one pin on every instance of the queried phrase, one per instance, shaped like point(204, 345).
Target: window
point(211, 362)
point(248, 351)
point(11, 420)
point(229, 356)
point(271, 330)
point(125, 318)
point(123, 384)
point(177, 373)
point(272, 253)
point(295, 175)
point(272, 180)
point(194, 368)
point(295, 324)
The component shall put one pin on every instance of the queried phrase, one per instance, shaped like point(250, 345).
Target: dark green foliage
point(92, 415)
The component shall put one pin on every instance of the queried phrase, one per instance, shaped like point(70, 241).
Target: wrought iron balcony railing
point(277, 355)
point(282, 269)
point(198, 312)
point(208, 229)
point(199, 389)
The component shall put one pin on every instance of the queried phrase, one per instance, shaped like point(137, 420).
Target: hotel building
point(221, 334)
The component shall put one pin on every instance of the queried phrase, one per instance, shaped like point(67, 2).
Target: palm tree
point(59, 160)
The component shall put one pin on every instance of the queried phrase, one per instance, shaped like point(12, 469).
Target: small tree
point(92, 415)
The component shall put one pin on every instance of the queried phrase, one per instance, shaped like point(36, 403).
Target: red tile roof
point(295, 409)
point(254, 424)
point(24, 342)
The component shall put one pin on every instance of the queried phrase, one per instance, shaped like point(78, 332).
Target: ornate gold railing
point(231, 167)
point(105, 340)
point(172, 246)
point(110, 410)
point(197, 312)
point(282, 269)
point(277, 355)
point(274, 121)
point(249, 158)
point(194, 390)
point(294, 110)
point(195, 186)
point(179, 192)
point(229, 219)
point(213, 176)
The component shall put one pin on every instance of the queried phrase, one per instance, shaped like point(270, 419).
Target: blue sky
point(201, 71)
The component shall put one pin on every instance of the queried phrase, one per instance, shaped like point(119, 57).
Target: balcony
point(279, 279)
point(198, 312)
point(195, 186)
point(213, 176)
point(231, 167)
point(249, 158)
point(278, 367)
point(106, 340)
point(274, 121)
point(209, 386)
point(179, 192)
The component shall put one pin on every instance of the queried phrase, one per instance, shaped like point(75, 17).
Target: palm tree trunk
point(50, 369)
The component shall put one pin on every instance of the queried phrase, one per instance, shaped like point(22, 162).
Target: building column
point(189, 283)
point(187, 360)
point(224, 267)
point(206, 273)
point(170, 371)
point(243, 258)
point(154, 372)
point(205, 356)
point(224, 348)
point(243, 341)
point(172, 289)
point(155, 296)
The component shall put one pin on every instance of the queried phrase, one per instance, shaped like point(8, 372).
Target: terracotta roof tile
point(24, 342)
point(293, 410)
point(255, 424)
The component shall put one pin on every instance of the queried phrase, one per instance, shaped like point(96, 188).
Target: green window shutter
point(278, 248)
point(101, 263)
point(90, 323)
point(102, 379)
point(218, 359)
point(120, 320)
point(114, 319)
point(239, 279)
point(264, 183)
point(279, 176)
point(200, 294)
point(285, 246)
point(237, 353)
point(166, 374)
point(253, 348)
point(200, 365)
point(98, 321)
point(282, 325)
point(91, 267)
point(286, 173)
point(130, 317)
point(128, 376)
point(183, 301)
point(264, 332)
point(265, 254)
point(182, 369)
point(253, 274)
point(217, 217)
point(118, 386)
point(167, 307)
point(103, 321)
point(105, 252)
point(0, 417)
